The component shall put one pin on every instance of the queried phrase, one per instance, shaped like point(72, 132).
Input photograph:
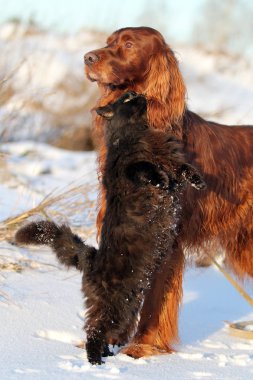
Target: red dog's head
point(125, 59)
point(139, 59)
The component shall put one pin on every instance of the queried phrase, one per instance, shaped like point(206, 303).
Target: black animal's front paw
point(192, 176)
point(198, 182)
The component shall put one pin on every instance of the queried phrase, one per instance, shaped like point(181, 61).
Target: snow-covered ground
point(41, 306)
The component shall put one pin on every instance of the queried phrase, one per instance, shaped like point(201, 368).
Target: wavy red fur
point(139, 59)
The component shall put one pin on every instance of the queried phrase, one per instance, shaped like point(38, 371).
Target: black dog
point(144, 176)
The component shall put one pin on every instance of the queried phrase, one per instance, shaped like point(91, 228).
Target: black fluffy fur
point(145, 174)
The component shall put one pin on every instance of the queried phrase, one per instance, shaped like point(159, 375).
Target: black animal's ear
point(192, 176)
point(106, 112)
point(128, 96)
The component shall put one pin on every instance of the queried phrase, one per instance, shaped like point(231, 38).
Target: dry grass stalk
point(235, 284)
point(10, 266)
point(62, 206)
point(6, 297)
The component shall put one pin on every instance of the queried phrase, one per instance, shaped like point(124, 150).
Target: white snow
point(41, 305)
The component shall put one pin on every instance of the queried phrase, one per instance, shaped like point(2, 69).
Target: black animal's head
point(125, 117)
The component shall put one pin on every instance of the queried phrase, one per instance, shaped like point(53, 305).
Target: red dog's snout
point(90, 58)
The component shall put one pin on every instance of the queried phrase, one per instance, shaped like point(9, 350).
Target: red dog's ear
point(165, 84)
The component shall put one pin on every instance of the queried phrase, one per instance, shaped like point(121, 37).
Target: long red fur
point(219, 216)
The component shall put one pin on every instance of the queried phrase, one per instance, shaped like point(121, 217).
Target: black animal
point(144, 176)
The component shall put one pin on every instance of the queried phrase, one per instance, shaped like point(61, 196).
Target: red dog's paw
point(137, 351)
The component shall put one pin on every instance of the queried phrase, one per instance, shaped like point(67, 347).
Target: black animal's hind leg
point(95, 346)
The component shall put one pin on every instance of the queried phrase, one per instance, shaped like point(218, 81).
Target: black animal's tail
point(68, 247)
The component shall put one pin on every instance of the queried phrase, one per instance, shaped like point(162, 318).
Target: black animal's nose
point(90, 58)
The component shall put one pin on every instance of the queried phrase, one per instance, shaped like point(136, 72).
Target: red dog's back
point(224, 213)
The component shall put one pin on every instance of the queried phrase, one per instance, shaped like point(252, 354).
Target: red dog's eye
point(128, 44)
point(112, 44)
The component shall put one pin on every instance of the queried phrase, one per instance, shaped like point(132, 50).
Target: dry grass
point(75, 201)
point(6, 265)
point(3, 165)
point(75, 205)
point(232, 281)
point(58, 114)
point(10, 267)
point(67, 127)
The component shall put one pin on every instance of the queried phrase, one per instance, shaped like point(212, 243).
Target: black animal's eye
point(128, 44)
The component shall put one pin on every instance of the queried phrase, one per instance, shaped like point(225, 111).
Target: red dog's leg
point(101, 211)
point(239, 254)
point(158, 326)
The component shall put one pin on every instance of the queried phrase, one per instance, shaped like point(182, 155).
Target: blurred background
point(47, 172)
point(44, 95)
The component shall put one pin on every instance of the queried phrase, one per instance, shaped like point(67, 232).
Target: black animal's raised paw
point(192, 176)
point(198, 182)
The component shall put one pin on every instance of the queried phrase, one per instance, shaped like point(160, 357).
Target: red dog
point(139, 59)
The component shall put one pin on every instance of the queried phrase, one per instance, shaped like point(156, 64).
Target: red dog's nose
point(90, 58)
